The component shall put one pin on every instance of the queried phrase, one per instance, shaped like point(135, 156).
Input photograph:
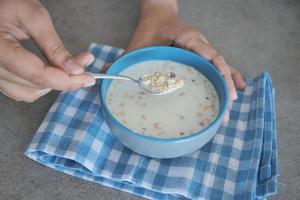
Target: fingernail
point(73, 66)
point(78, 71)
point(234, 96)
point(45, 91)
point(90, 83)
point(225, 119)
point(91, 59)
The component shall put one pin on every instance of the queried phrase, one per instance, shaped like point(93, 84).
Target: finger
point(204, 50)
point(39, 26)
point(226, 118)
point(29, 67)
point(8, 76)
point(204, 39)
point(198, 46)
point(238, 79)
point(224, 69)
point(197, 34)
point(84, 58)
point(227, 114)
point(21, 93)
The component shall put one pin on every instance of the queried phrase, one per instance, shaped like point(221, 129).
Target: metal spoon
point(138, 82)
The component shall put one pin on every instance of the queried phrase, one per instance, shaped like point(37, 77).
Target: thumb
point(42, 31)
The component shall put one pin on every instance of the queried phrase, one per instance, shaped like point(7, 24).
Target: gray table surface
point(253, 35)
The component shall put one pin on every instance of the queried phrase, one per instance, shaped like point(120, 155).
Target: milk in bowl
point(180, 113)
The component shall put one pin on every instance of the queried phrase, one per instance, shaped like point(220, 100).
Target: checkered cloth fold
point(240, 162)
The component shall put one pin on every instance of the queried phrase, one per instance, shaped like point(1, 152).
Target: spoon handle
point(111, 76)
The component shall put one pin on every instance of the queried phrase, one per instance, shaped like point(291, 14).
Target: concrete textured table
point(253, 35)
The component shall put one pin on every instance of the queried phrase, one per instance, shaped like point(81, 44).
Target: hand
point(23, 75)
point(159, 25)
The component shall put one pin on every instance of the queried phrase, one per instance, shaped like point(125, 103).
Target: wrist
point(161, 8)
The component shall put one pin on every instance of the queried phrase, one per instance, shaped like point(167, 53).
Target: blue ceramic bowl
point(160, 147)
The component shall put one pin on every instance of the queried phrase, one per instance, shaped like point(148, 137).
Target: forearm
point(161, 7)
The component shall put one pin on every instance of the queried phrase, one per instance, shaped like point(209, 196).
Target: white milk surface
point(177, 114)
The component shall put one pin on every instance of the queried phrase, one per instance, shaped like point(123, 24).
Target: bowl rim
point(164, 140)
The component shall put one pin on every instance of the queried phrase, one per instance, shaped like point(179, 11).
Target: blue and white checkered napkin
point(240, 162)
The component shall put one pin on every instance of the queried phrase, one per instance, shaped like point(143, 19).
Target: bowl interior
point(177, 55)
